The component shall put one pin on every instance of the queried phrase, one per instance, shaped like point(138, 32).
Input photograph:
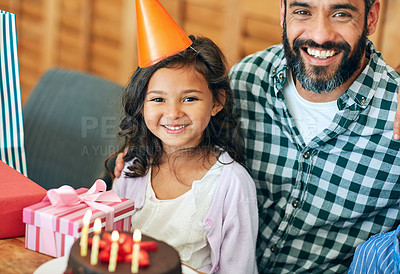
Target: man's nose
point(321, 30)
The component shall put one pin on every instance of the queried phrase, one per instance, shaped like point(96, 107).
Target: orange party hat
point(158, 35)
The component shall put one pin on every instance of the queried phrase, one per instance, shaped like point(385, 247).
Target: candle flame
point(137, 235)
point(114, 236)
point(86, 217)
point(97, 226)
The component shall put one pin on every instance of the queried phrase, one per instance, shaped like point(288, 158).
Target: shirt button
point(208, 222)
point(306, 155)
point(272, 249)
point(363, 100)
point(274, 71)
point(280, 76)
point(295, 204)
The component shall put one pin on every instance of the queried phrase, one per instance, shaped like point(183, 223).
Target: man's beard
point(316, 78)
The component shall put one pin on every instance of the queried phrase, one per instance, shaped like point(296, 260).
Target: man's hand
point(396, 128)
point(119, 165)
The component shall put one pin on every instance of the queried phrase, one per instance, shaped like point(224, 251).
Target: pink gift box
point(66, 224)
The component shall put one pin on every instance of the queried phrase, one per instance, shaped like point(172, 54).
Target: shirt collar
point(279, 73)
point(364, 87)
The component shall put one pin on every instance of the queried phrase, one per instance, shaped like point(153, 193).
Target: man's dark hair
point(368, 5)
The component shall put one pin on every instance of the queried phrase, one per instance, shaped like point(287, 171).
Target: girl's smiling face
point(178, 107)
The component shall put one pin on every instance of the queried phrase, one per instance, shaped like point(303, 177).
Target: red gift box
point(17, 192)
point(52, 229)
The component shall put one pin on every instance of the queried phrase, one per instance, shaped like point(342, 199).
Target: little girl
point(184, 161)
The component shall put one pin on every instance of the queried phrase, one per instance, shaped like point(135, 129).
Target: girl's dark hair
point(222, 133)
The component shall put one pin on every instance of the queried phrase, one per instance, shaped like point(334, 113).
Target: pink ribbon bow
point(68, 196)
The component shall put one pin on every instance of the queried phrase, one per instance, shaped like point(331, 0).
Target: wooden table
point(15, 258)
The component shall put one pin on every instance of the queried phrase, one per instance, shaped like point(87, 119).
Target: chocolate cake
point(164, 260)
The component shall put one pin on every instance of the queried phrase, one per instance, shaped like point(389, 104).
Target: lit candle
point(96, 241)
point(84, 237)
point(137, 237)
point(112, 264)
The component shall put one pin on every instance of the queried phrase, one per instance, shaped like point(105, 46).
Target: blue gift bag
point(12, 149)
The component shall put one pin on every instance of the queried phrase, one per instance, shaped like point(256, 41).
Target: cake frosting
point(164, 260)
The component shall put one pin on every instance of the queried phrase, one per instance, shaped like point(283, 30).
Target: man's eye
point(342, 14)
point(302, 12)
point(190, 99)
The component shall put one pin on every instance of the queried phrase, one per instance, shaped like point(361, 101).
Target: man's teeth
point(174, 128)
point(322, 54)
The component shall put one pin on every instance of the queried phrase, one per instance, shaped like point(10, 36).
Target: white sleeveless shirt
point(180, 221)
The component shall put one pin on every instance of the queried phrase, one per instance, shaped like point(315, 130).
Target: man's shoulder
point(272, 56)
point(383, 80)
point(380, 68)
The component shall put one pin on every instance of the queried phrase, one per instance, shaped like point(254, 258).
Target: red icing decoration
point(125, 249)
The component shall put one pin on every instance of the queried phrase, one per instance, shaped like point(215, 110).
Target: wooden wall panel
point(175, 8)
point(204, 19)
point(30, 19)
point(99, 36)
point(262, 9)
point(390, 33)
point(261, 25)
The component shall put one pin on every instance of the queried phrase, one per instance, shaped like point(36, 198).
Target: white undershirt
point(310, 118)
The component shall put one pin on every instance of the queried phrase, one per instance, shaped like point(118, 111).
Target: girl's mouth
point(175, 127)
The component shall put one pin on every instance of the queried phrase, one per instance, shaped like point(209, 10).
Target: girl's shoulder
point(131, 188)
point(129, 163)
point(234, 175)
point(125, 178)
point(231, 165)
point(235, 182)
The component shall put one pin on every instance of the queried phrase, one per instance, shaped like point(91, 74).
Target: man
point(317, 115)
point(317, 112)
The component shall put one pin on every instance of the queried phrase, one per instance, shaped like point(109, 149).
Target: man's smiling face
point(324, 41)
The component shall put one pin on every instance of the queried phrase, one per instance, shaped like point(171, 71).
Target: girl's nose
point(174, 111)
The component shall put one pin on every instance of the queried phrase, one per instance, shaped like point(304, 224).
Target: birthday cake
point(156, 257)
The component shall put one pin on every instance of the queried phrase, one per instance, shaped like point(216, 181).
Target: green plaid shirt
point(318, 202)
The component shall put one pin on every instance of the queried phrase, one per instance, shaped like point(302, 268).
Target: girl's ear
point(219, 103)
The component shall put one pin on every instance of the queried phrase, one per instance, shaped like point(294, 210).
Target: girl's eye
point(190, 99)
point(158, 100)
